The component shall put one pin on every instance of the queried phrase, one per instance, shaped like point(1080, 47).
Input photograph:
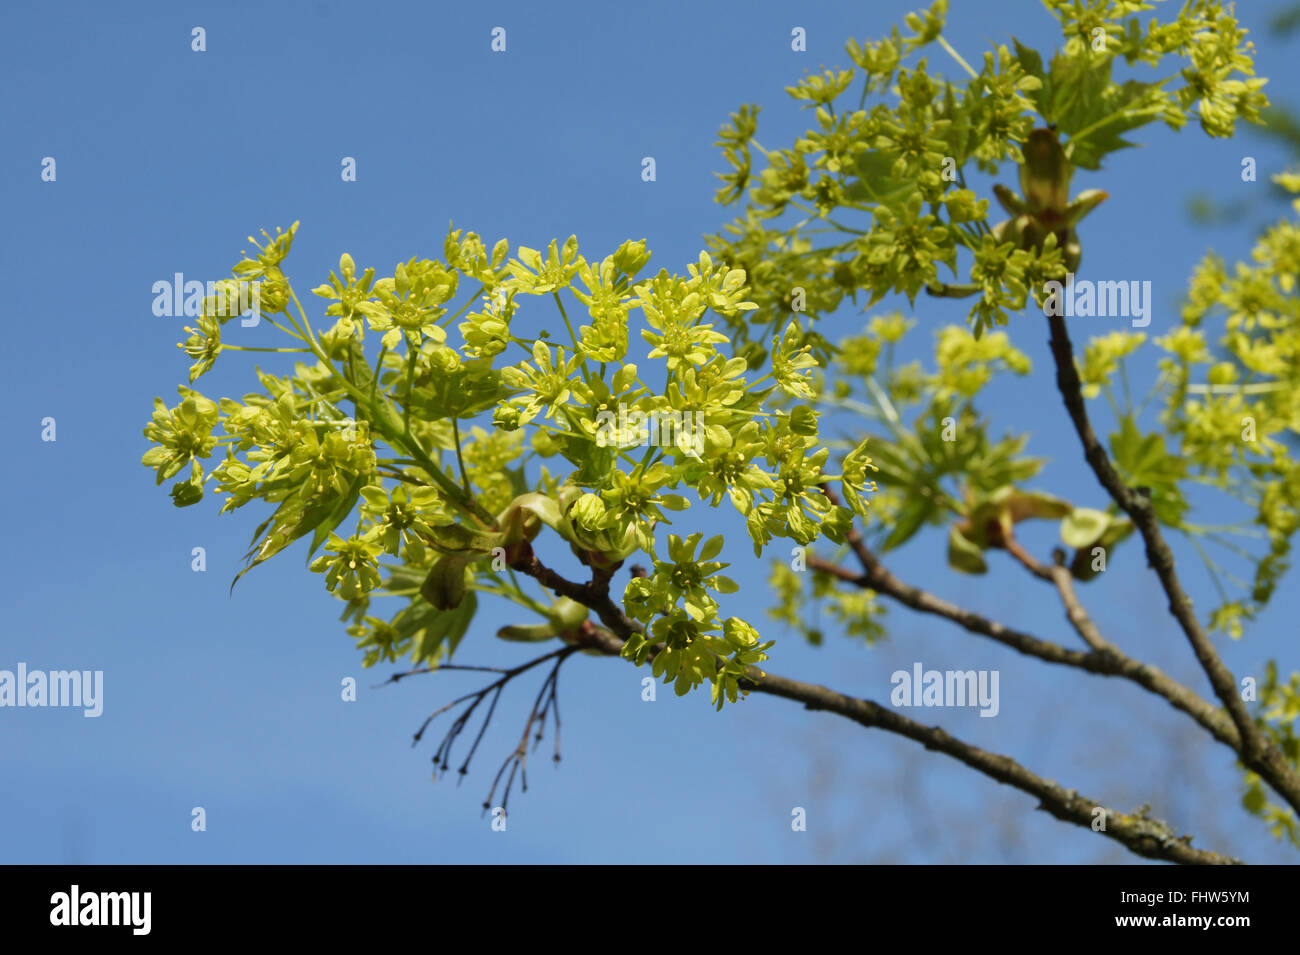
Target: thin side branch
point(547, 700)
point(1058, 574)
point(1104, 658)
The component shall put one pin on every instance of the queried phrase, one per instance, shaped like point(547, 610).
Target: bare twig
point(546, 700)
point(1058, 574)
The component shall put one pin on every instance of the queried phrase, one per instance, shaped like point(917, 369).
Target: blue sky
point(167, 159)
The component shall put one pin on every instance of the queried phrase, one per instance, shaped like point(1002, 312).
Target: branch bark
point(1103, 658)
point(1151, 838)
point(1257, 751)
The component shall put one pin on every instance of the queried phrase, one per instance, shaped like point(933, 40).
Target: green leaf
point(1032, 63)
point(1076, 84)
point(185, 493)
point(1119, 117)
point(1023, 505)
point(524, 517)
point(1254, 799)
point(463, 393)
point(518, 480)
point(964, 555)
point(290, 521)
point(803, 420)
point(910, 518)
point(594, 462)
point(444, 587)
point(1144, 461)
point(567, 614)
point(1082, 526)
point(433, 630)
point(529, 633)
point(875, 182)
point(337, 516)
point(1008, 506)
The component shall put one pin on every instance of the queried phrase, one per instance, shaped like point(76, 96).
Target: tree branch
point(1057, 573)
point(1104, 658)
point(1147, 837)
point(1257, 751)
